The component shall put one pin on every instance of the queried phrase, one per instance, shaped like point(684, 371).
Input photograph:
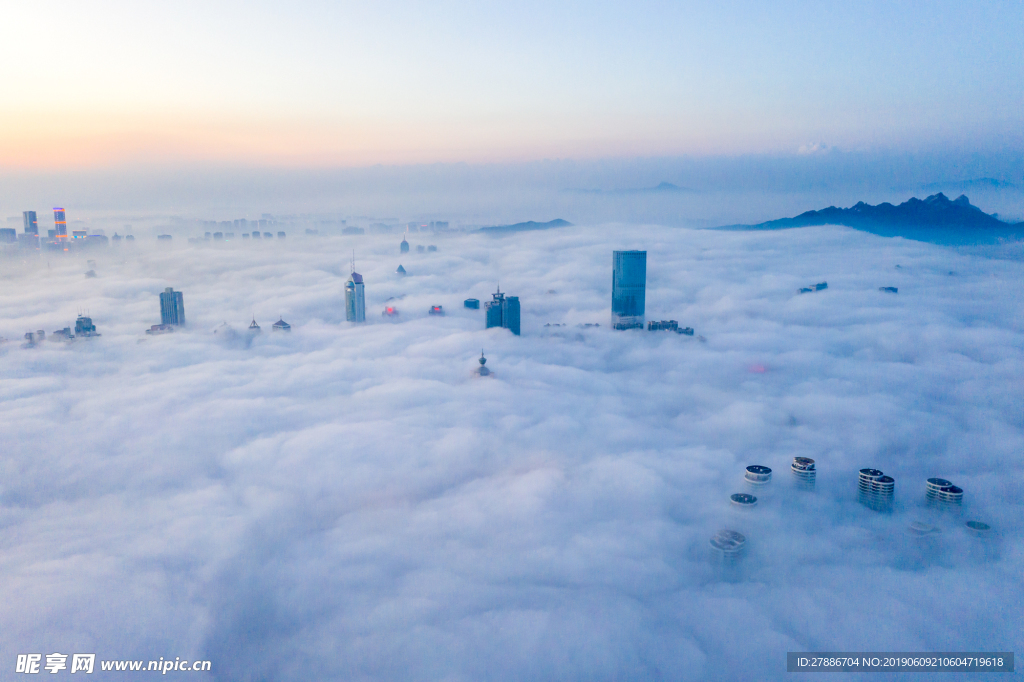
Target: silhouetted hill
point(527, 226)
point(935, 219)
point(661, 188)
point(666, 187)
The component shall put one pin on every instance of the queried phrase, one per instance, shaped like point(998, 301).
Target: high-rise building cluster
point(875, 490)
point(226, 230)
point(57, 239)
point(503, 311)
point(83, 329)
point(629, 274)
point(629, 295)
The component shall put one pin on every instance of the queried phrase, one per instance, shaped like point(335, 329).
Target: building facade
point(510, 314)
point(629, 289)
point(355, 299)
point(85, 327)
point(60, 225)
point(31, 223)
point(492, 310)
point(172, 307)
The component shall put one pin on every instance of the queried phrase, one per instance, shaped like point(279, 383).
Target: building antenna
point(353, 265)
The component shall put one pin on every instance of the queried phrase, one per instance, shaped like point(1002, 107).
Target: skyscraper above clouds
point(510, 314)
point(503, 311)
point(172, 307)
point(492, 309)
point(355, 299)
point(629, 289)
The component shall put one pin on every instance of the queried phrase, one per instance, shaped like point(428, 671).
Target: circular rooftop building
point(743, 500)
point(727, 546)
point(757, 474)
point(876, 490)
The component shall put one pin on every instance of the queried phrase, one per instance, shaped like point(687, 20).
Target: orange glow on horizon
point(47, 142)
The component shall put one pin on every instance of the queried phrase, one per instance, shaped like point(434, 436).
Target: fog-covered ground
point(347, 502)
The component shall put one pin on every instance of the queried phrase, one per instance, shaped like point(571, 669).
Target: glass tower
point(492, 309)
point(31, 224)
point(629, 289)
point(355, 299)
point(172, 307)
point(510, 314)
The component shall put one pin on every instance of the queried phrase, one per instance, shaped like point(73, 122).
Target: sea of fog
point(348, 502)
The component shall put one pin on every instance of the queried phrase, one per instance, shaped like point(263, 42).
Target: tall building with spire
point(482, 370)
point(355, 299)
point(629, 289)
point(503, 311)
point(404, 248)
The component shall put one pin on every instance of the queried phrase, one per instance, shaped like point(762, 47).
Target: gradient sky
point(344, 83)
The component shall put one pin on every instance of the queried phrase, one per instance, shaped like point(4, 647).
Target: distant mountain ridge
point(937, 210)
point(526, 227)
point(935, 219)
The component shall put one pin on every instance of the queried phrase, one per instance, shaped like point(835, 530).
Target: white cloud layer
point(346, 502)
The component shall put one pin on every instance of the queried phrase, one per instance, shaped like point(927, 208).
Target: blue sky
point(342, 84)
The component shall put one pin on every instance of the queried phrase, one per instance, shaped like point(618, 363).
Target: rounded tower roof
point(482, 370)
